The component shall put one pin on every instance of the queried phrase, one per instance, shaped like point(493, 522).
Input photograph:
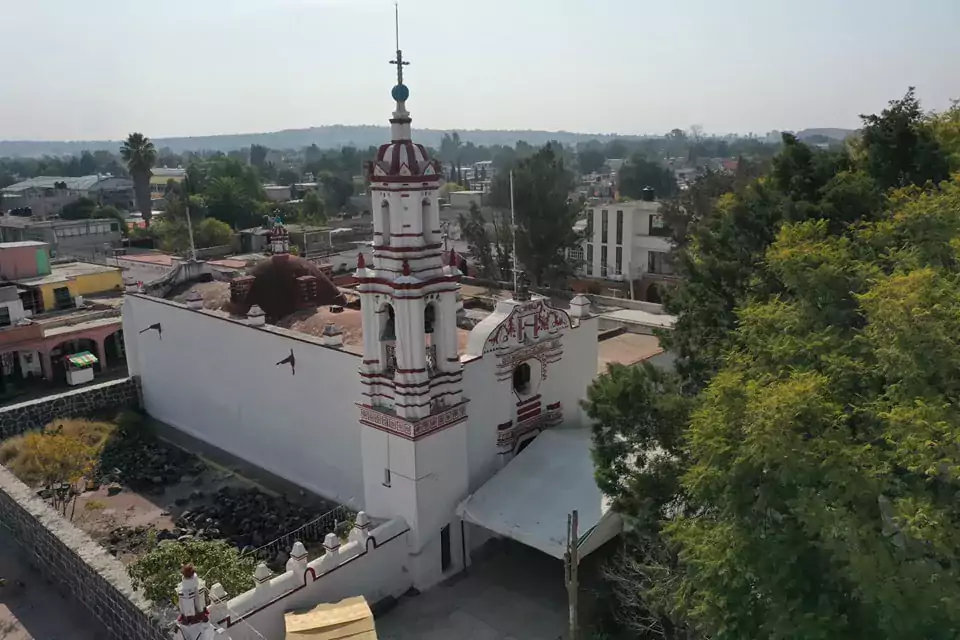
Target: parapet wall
point(75, 564)
point(372, 563)
point(79, 403)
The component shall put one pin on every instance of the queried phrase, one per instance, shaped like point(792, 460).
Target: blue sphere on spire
point(400, 93)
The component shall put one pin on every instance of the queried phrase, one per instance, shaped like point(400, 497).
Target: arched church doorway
point(523, 444)
point(653, 294)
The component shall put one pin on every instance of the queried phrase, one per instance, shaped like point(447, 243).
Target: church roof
point(404, 158)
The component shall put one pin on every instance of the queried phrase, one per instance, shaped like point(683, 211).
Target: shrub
point(158, 572)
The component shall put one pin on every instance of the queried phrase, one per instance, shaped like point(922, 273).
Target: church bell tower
point(412, 410)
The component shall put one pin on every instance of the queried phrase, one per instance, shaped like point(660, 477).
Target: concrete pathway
point(516, 593)
point(31, 609)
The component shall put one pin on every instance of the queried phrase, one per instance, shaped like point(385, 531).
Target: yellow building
point(59, 289)
point(160, 177)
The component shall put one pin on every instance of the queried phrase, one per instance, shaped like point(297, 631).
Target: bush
point(158, 572)
point(30, 456)
point(58, 457)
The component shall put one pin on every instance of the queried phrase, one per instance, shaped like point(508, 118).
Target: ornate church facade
point(411, 418)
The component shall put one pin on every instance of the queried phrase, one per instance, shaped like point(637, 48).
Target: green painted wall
point(43, 262)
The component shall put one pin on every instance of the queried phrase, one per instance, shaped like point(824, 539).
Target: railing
point(332, 521)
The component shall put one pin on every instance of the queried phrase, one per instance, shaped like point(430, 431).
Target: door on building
point(445, 548)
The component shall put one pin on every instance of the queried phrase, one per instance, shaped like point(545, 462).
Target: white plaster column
point(447, 329)
point(102, 353)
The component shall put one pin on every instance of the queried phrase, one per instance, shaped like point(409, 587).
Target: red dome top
point(404, 158)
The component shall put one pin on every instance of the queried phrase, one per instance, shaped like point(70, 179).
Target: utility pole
point(571, 560)
point(186, 208)
point(513, 234)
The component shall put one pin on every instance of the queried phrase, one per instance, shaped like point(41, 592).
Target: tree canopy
point(140, 156)
point(794, 476)
point(545, 214)
point(640, 173)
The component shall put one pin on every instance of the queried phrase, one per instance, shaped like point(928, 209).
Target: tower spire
point(399, 61)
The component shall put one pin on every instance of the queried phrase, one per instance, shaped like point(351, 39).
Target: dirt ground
point(99, 513)
point(31, 609)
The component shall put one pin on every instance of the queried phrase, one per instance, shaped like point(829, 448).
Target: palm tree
point(140, 155)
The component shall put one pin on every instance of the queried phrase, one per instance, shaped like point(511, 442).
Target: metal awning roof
point(348, 619)
point(82, 359)
point(530, 498)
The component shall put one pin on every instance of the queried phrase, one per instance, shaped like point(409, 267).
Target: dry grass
point(19, 453)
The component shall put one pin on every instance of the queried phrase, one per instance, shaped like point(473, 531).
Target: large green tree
point(823, 454)
point(793, 478)
point(640, 173)
point(900, 145)
point(140, 156)
point(545, 214)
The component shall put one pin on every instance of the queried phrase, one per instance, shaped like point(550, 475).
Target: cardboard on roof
point(349, 619)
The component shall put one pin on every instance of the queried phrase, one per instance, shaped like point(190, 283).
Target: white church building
point(396, 410)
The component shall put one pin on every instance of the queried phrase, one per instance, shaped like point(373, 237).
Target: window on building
point(658, 262)
point(590, 224)
point(603, 261)
point(521, 378)
point(4, 316)
point(62, 298)
point(658, 227)
point(603, 226)
point(619, 261)
point(589, 259)
point(619, 228)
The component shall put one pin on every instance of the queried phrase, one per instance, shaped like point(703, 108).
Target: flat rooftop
point(64, 272)
point(640, 317)
point(627, 349)
point(22, 243)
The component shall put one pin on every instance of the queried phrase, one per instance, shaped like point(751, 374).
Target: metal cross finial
point(399, 61)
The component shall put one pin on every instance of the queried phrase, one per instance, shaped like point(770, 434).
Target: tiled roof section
point(403, 158)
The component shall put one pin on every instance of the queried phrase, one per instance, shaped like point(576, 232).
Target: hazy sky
point(96, 69)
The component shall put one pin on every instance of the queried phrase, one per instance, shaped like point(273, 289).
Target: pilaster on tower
point(411, 368)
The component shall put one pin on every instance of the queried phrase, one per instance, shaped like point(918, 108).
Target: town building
point(388, 397)
point(45, 320)
point(628, 242)
point(85, 238)
point(160, 178)
point(45, 196)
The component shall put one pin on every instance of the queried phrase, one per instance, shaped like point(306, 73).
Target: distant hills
point(827, 132)
point(327, 137)
point(330, 137)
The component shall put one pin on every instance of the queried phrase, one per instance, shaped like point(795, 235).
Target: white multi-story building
point(627, 241)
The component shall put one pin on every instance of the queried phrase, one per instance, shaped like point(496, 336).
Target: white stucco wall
point(373, 571)
point(218, 380)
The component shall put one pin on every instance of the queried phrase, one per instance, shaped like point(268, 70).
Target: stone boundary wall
point(79, 403)
point(76, 565)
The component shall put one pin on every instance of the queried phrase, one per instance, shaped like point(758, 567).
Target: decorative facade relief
point(413, 430)
point(528, 322)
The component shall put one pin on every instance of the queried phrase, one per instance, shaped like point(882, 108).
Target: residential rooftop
point(25, 221)
point(65, 271)
point(22, 243)
point(49, 182)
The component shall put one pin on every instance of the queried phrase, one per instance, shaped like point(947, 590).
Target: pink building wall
point(19, 262)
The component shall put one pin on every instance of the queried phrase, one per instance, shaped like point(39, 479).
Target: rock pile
point(144, 463)
point(249, 518)
point(129, 540)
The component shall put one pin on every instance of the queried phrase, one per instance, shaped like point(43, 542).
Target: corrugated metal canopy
point(529, 499)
